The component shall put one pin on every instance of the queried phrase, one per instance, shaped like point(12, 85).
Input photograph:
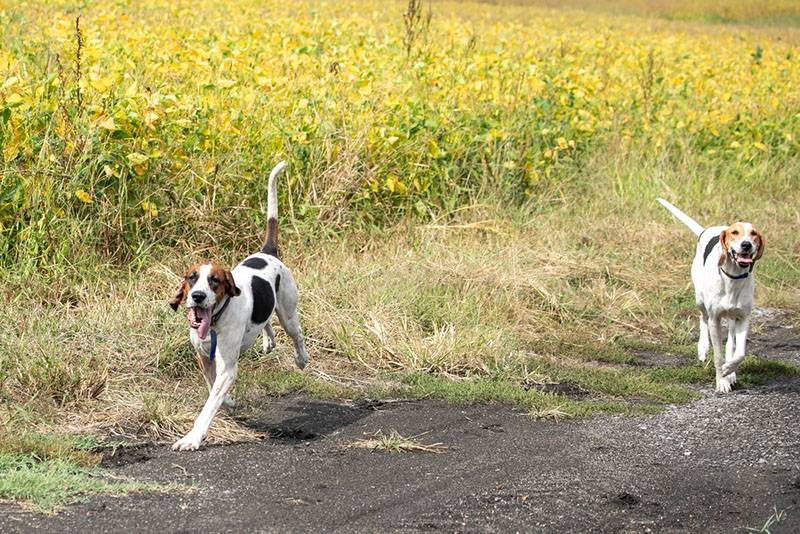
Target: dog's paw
point(731, 378)
point(723, 384)
point(301, 360)
point(268, 344)
point(229, 402)
point(701, 356)
point(728, 369)
point(189, 442)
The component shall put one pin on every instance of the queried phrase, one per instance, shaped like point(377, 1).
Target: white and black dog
point(228, 309)
point(722, 273)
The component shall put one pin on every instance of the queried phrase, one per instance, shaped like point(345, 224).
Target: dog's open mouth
point(743, 259)
point(200, 319)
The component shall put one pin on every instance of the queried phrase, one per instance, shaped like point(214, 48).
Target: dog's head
point(203, 286)
point(742, 243)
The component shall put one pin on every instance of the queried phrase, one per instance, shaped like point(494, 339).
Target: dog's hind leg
point(291, 324)
point(286, 310)
point(268, 338)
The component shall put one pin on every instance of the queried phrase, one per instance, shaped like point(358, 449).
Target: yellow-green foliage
point(180, 109)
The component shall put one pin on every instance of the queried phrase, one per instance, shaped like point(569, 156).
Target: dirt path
point(720, 464)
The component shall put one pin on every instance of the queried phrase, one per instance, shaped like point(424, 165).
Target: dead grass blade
point(394, 442)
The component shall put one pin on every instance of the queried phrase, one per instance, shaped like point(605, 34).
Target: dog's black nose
point(198, 296)
point(747, 246)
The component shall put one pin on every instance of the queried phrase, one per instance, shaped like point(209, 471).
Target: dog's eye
point(735, 232)
point(192, 277)
point(753, 233)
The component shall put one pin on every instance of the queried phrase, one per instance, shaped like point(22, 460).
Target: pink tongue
point(204, 314)
point(740, 259)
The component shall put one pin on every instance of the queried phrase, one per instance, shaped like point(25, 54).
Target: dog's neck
point(731, 270)
point(218, 309)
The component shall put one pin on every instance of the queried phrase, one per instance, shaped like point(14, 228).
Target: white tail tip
point(278, 168)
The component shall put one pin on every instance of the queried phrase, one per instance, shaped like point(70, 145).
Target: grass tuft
point(394, 442)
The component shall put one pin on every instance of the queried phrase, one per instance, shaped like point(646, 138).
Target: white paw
point(723, 385)
point(727, 369)
point(189, 442)
point(228, 402)
point(701, 356)
point(731, 378)
point(268, 344)
point(301, 359)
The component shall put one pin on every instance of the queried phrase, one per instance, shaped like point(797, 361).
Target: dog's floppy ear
point(723, 254)
point(230, 285)
point(179, 297)
point(760, 241)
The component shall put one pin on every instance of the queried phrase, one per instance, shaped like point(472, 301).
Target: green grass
point(48, 485)
point(46, 472)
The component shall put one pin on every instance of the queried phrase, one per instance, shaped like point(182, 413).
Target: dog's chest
point(203, 346)
point(734, 300)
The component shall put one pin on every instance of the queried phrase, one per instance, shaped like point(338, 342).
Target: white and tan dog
point(722, 273)
point(228, 309)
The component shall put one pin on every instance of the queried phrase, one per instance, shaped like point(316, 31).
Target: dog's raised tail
point(271, 243)
point(693, 225)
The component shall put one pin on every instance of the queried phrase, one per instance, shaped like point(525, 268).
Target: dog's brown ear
point(230, 285)
point(759, 239)
point(723, 254)
point(179, 297)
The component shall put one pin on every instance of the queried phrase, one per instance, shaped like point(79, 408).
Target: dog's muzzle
point(743, 259)
point(199, 319)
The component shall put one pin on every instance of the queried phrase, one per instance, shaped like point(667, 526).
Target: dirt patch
point(126, 455)
point(655, 358)
point(774, 336)
point(569, 389)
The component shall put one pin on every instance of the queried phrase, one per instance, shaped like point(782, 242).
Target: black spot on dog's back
point(277, 284)
point(255, 262)
point(263, 300)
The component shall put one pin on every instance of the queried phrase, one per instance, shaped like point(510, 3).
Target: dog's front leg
point(729, 348)
point(226, 372)
point(715, 329)
point(742, 326)
point(209, 371)
point(702, 341)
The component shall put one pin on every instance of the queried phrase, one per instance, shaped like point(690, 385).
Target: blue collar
point(214, 319)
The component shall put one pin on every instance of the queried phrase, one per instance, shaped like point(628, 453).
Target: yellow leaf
point(761, 146)
point(13, 100)
point(225, 84)
point(83, 196)
point(108, 124)
point(136, 158)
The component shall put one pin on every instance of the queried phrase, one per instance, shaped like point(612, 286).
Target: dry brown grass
point(394, 442)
